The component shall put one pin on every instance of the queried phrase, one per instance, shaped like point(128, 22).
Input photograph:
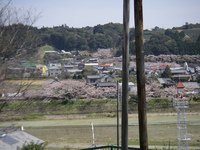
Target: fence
point(110, 147)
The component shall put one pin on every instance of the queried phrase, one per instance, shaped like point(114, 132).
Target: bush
point(196, 98)
point(158, 102)
point(34, 146)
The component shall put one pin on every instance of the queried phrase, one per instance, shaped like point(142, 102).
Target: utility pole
point(117, 113)
point(139, 45)
point(125, 73)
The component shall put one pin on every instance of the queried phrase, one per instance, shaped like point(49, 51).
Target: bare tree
point(16, 31)
point(17, 38)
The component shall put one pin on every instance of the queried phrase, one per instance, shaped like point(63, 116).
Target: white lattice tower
point(183, 137)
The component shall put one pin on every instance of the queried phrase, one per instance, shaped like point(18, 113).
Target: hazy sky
point(82, 13)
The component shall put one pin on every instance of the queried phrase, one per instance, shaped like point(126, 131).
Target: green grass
point(162, 129)
point(192, 32)
point(41, 52)
point(105, 135)
point(35, 116)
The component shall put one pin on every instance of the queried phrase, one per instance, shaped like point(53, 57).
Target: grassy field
point(41, 52)
point(162, 130)
point(192, 32)
point(24, 82)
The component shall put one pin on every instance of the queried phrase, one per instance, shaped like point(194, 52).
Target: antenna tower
point(183, 137)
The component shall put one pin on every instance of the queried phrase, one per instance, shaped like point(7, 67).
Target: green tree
point(119, 73)
point(88, 71)
point(80, 76)
point(75, 76)
point(167, 73)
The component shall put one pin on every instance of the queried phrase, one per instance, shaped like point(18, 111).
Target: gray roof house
point(175, 72)
point(68, 67)
point(13, 139)
point(182, 76)
point(192, 87)
point(166, 82)
point(94, 79)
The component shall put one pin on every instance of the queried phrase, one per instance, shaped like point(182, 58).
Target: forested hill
point(178, 40)
point(88, 38)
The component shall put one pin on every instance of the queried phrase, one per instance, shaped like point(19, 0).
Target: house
point(191, 87)
point(51, 52)
point(68, 67)
point(81, 65)
point(63, 52)
point(179, 72)
point(179, 77)
point(74, 71)
point(54, 63)
point(106, 66)
point(43, 69)
point(12, 138)
point(93, 60)
point(166, 82)
point(94, 65)
point(67, 61)
point(94, 79)
point(161, 68)
point(54, 71)
point(180, 87)
point(14, 72)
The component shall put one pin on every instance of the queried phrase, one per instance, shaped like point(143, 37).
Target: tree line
point(101, 36)
point(110, 36)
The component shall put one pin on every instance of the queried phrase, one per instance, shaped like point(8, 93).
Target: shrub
point(158, 102)
point(34, 146)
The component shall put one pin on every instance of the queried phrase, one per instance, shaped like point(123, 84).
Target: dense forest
point(178, 40)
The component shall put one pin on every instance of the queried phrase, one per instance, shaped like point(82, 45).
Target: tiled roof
point(180, 85)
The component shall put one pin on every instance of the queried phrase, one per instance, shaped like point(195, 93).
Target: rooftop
point(180, 85)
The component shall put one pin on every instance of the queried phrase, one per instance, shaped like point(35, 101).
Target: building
point(54, 71)
point(180, 87)
point(12, 138)
point(166, 82)
point(94, 79)
point(43, 69)
point(93, 60)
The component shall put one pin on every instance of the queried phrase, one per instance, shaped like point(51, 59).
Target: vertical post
point(125, 73)
point(139, 45)
point(92, 133)
point(117, 113)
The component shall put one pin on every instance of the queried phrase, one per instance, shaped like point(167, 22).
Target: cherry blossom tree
point(70, 89)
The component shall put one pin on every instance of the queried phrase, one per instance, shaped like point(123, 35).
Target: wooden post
point(125, 73)
point(139, 45)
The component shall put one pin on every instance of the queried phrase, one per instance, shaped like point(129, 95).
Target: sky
point(82, 13)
